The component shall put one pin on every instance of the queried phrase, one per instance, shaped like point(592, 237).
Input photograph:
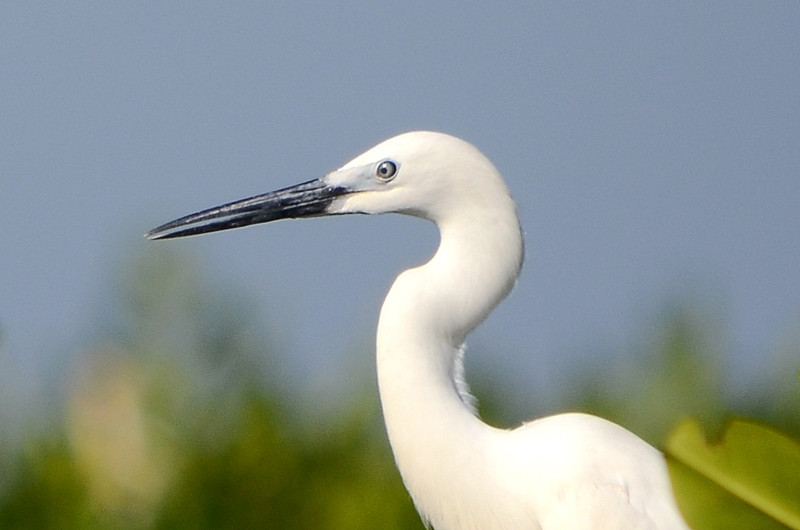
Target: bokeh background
point(654, 151)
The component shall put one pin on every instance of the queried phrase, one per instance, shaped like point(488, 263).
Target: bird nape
point(564, 471)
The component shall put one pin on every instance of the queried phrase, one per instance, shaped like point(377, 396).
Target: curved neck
point(423, 323)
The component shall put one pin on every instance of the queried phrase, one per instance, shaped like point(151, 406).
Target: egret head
point(426, 174)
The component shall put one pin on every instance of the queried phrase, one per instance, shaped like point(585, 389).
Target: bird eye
point(386, 170)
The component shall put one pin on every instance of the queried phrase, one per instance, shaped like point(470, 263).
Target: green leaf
point(750, 478)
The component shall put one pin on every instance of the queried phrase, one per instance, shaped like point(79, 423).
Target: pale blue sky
point(654, 151)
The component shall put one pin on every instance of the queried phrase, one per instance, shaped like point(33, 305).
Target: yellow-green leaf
point(750, 478)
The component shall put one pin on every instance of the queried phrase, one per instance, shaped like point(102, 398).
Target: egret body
point(568, 471)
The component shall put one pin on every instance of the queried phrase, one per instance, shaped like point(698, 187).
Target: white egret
point(568, 471)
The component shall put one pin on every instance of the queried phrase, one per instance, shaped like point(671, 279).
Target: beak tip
point(160, 232)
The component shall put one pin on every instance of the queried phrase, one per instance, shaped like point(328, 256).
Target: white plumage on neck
point(423, 323)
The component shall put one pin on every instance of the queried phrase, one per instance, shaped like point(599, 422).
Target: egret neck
point(423, 323)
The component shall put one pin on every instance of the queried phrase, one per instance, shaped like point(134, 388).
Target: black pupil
point(386, 169)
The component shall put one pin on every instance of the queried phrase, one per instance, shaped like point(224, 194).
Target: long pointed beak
point(308, 199)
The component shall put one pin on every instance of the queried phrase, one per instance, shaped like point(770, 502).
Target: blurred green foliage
point(177, 417)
